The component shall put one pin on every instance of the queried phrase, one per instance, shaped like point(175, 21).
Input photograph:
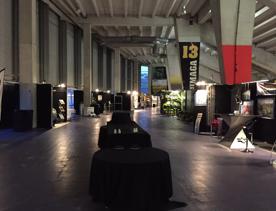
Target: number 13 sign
point(189, 59)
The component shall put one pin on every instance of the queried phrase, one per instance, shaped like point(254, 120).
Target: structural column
point(28, 69)
point(104, 68)
point(87, 51)
point(117, 70)
point(135, 76)
point(234, 23)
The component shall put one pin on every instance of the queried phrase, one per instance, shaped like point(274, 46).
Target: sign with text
point(189, 59)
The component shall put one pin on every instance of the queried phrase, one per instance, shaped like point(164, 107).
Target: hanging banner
point(1, 87)
point(189, 60)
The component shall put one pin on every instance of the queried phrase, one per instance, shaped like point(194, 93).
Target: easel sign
point(197, 123)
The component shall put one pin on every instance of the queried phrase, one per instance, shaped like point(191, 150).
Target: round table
point(126, 140)
point(131, 179)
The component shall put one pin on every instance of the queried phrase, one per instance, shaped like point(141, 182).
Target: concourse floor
point(49, 171)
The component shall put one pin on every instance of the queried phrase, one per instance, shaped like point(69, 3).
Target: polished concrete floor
point(49, 170)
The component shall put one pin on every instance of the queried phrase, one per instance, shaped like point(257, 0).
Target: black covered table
point(136, 180)
point(235, 123)
point(107, 139)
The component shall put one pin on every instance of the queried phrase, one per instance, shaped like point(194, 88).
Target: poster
point(247, 108)
point(159, 80)
point(266, 107)
point(1, 87)
point(189, 60)
point(201, 97)
point(158, 85)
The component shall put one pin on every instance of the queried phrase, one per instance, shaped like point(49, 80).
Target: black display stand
point(78, 99)
point(23, 120)
point(60, 102)
point(126, 101)
point(44, 94)
point(102, 98)
point(10, 103)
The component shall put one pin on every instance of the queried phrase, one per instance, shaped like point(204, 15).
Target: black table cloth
point(136, 180)
point(127, 138)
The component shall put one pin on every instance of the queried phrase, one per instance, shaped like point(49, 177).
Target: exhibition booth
point(249, 105)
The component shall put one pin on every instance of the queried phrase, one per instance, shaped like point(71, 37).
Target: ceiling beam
point(67, 8)
point(271, 49)
point(141, 5)
point(264, 16)
point(204, 14)
point(125, 8)
point(170, 8)
point(265, 26)
point(110, 5)
point(153, 31)
point(80, 5)
point(96, 8)
point(132, 45)
point(157, 3)
point(197, 6)
point(73, 7)
point(267, 43)
point(129, 21)
point(140, 31)
point(259, 6)
point(265, 36)
point(168, 31)
point(180, 9)
point(163, 31)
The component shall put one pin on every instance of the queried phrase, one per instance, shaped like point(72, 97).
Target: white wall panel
point(6, 38)
point(53, 74)
point(70, 56)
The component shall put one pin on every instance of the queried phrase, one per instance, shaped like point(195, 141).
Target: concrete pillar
point(234, 23)
point(87, 53)
point(104, 68)
point(95, 66)
point(126, 75)
point(117, 70)
point(135, 76)
point(173, 71)
point(28, 74)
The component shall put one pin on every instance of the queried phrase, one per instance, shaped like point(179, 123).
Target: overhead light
point(201, 83)
point(97, 90)
point(108, 91)
point(62, 85)
point(128, 92)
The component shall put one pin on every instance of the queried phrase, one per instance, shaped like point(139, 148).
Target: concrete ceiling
point(131, 18)
point(155, 18)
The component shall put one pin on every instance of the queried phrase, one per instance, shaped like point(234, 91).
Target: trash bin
point(23, 120)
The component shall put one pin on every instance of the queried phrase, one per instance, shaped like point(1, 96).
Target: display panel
point(145, 79)
point(247, 108)
point(266, 107)
point(201, 97)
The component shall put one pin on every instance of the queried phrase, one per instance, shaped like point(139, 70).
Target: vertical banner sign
point(1, 88)
point(189, 59)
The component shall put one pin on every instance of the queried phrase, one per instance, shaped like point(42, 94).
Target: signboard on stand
point(241, 142)
point(189, 59)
